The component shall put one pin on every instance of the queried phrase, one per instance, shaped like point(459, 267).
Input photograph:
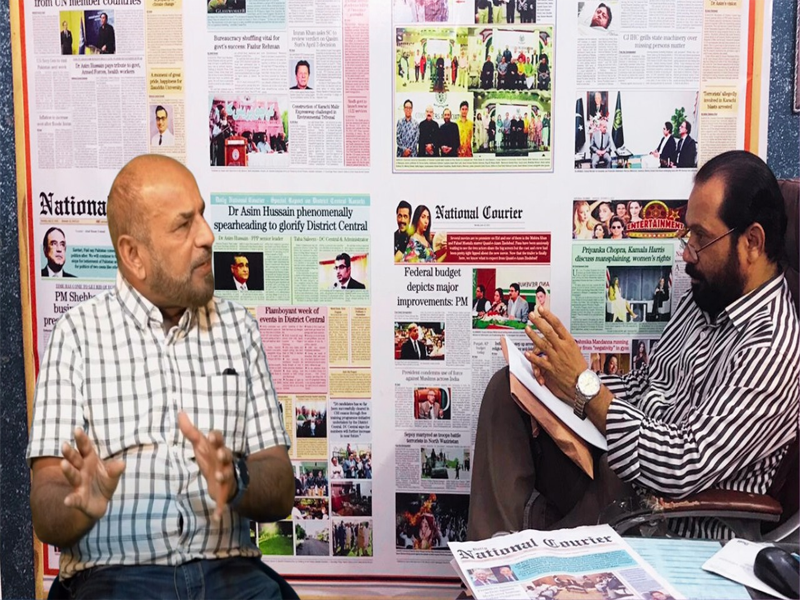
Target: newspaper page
point(473, 81)
point(288, 85)
point(626, 259)
point(458, 289)
point(585, 562)
point(660, 85)
point(302, 263)
point(106, 84)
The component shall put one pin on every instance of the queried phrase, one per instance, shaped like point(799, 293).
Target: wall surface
point(783, 142)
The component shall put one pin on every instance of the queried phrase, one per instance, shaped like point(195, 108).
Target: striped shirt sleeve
point(628, 387)
point(739, 422)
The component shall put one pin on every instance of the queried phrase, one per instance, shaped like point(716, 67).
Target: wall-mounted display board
point(471, 159)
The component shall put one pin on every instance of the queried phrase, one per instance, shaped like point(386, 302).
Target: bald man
point(157, 435)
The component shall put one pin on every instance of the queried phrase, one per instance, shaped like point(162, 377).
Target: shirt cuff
point(623, 424)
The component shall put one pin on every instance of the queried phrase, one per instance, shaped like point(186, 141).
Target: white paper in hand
point(521, 368)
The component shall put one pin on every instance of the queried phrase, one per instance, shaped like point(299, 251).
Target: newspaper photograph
point(481, 95)
point(591, 563)
point(618, 218)
point(623, 288)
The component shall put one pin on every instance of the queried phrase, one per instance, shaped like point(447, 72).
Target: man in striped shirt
point(716, 407)
point(178, 435)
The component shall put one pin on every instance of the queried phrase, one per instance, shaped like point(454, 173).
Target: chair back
point(791, 197)
point(786, 485)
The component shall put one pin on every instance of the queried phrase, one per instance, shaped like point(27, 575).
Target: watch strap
point(579, 408)
point(242, 479)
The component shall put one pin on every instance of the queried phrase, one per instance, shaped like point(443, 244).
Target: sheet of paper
point(679, 562)
point(735, 561)
point(454, 564)
point(521, 368)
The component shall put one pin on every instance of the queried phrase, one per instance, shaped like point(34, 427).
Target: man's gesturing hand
point(557, 361)
point(93, 481)
point(215, 462)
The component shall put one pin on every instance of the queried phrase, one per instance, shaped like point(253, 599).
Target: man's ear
point(131, 253)
point(755, 240)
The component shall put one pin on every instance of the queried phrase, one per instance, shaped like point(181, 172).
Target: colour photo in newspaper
point(479, 95)
point(585, 562)
point(640, 129)
point(618, 218)
point(624, 288)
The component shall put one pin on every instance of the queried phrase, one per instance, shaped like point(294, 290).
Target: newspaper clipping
point(585, 562)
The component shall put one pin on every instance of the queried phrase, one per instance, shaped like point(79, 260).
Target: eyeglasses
point(694, 252)
point(340, 267)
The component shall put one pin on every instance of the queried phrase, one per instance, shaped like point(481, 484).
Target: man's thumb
point(115, 468)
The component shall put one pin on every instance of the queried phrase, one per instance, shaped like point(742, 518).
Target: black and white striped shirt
point(718, 404)
point(110, 369)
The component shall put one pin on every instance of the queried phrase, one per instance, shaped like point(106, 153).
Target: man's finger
point(74, 500)
point(218, 512)
point(215, 439)
point(224, 456)
point(72, 474)
point(538, 341)
point(224, 475)
point(115, 468)
point(555, 323)
point(188, 429)
point(537, 374)
point(547, 331)
point(541, 362)
point(83, 443)
point(72, 455)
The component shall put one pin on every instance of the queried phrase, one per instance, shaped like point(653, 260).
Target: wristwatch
point(242, 476)
point(586, 389)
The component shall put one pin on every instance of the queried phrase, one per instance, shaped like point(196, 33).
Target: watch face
point(589, 383)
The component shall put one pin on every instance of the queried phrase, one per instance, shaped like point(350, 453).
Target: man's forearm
point(53, 522)
point(270, 495)
point(597, 409)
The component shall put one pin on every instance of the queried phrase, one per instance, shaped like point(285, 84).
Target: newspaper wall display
point(566, 562)
point(318, 132)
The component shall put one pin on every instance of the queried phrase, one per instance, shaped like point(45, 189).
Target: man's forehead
point(705, 202)
point(240, 260)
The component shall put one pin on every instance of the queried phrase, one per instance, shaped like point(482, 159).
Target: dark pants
point(521, 482)
point(222, 578)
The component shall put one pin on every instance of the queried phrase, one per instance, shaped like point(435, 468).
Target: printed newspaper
point(585, 562)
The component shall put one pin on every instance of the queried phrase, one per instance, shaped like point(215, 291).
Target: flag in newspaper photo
point(580, 127)
point(82, 42)
point(617, 133)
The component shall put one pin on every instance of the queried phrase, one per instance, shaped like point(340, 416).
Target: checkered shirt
point(110, 369)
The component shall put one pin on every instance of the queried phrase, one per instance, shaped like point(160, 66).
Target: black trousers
point(519, 481)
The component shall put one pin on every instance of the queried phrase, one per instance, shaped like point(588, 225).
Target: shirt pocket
point(220, 403)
